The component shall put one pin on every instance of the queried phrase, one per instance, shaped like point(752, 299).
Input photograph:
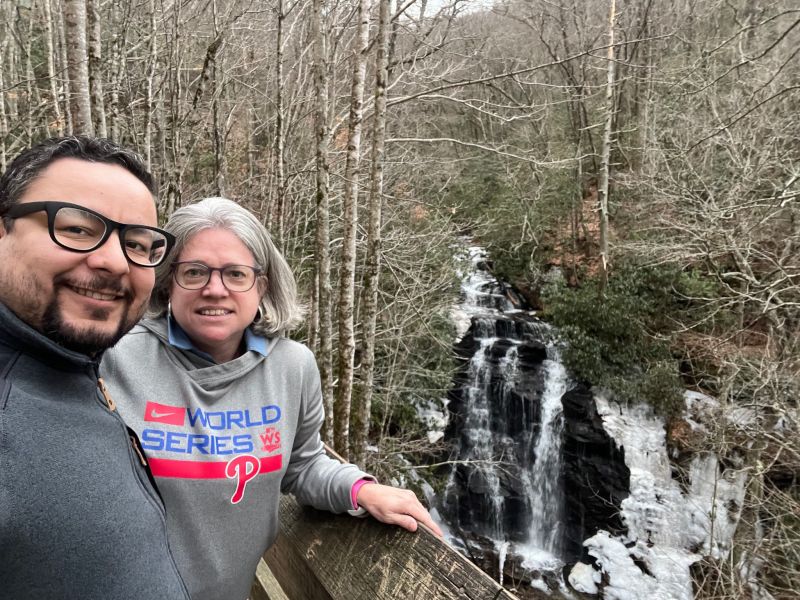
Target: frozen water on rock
point(723, 492)
point(628, 581)
point(502, 552)
point(583, 578)
point(652, 560)
point(667, 529)
point(434, 415)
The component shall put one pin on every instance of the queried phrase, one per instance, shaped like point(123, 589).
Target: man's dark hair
point(30, 163)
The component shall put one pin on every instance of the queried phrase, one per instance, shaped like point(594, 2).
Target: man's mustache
point(98, 283)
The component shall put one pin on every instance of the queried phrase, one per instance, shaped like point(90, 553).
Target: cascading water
point(503, 495)
point(544, 490)
point(548, 475)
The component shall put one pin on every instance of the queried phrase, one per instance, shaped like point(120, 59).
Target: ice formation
point(668, 529)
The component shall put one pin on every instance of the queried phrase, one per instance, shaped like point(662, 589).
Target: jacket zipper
point(112, 407)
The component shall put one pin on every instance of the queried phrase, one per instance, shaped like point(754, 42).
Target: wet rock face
point(512, 421)
point(593, 474)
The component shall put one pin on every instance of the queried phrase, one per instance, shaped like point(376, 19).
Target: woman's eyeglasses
point(195, 276)
point(80, 229)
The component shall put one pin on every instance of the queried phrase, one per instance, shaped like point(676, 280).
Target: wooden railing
point(321, 556)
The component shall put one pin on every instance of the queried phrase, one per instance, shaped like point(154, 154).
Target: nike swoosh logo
point(164, 413)
point(157, 415)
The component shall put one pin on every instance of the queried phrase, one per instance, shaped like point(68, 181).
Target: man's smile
point(96, 294)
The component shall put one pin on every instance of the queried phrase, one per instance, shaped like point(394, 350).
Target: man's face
point(85, 302)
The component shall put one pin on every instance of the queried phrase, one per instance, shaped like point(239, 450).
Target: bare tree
point(278, 214)
point(58, 120)
point(341, 429)
point(4, 42)
point(95, 65)
point(322, 245)
point(78, 66)
point(605, 152)
point(362, 407)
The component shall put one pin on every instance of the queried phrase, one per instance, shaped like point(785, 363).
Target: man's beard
point(86, 340)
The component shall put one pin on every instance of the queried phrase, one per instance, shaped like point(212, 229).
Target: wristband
point(357, 510)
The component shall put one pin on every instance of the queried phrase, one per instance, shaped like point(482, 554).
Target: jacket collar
point(20, 336)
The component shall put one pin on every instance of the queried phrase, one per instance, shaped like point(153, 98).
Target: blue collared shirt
point(179, 338)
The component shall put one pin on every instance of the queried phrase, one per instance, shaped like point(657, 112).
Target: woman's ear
point(262, 286)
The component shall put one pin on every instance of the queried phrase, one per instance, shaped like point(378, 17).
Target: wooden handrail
point(321, 556)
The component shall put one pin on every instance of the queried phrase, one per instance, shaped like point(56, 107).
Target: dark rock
point(513, 415)
point(532, 353)
point(594, 476)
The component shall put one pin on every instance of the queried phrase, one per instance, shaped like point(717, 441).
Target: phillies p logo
point(243, 468)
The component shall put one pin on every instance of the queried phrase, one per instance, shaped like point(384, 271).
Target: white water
point(546, 498)
point(499, 328)
point(667, 529)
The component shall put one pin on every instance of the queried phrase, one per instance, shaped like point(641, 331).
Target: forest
point(632, 168)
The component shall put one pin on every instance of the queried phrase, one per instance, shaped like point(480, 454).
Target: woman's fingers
point(396, 506)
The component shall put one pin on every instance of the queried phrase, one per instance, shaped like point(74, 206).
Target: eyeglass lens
point(82, 230)
point(194, 276)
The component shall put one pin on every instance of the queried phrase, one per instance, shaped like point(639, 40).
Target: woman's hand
point(395, 506)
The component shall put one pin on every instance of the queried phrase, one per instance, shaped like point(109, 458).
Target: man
point(79, 516)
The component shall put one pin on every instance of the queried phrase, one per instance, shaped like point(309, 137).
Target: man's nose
point(110, 256)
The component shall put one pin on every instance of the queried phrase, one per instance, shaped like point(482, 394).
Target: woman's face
point(213, 317)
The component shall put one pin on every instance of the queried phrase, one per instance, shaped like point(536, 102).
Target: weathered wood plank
point(265, 586)
point(362, 559)
point(293, 572)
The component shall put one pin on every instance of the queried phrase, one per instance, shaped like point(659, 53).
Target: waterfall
point(503, 496)
point(544, 493)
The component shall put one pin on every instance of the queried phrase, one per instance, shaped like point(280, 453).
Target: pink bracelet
point(354, 491)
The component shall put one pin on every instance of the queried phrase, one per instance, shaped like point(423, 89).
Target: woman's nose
point(215, 287)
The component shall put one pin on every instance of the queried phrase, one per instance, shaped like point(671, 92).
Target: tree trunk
point(96, 67)
point(605, 165)
point(58, 121)
point(12, 59)
point(348, 266)
point(363, 404)
point(174, 155)
point(78, 66)
point(280, 177)
point(31, 90)
point(63, 68)
point(149, 106)
point(4, 41)
point(217, 127)
point(322, 245)
point(118, 43)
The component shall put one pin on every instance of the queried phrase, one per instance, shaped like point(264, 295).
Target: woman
point(227, 410)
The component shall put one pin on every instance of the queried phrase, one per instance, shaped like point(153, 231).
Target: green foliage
point(427, 373)
point(512, 213)
point(618, 337)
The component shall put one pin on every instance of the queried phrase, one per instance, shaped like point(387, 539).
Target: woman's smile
point(214, 317)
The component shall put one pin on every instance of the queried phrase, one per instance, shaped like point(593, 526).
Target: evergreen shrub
point(619, 337)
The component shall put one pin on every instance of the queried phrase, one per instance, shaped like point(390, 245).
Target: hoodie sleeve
point(312, 476)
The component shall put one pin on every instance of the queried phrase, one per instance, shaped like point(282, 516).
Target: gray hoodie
point(223, 441)
point(79, 517)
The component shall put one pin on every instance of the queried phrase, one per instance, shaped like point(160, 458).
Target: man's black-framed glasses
point(80, 229)
point(196, 275)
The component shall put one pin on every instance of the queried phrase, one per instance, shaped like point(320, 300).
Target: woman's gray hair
point(279, 309)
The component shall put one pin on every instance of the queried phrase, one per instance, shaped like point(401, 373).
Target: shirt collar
point(179, 338)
